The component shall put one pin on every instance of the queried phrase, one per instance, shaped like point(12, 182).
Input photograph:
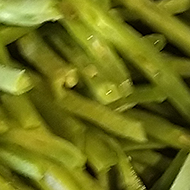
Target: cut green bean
point(47, 62)
point(174, 6)
point(158, 40)
point(58, 178)
point(98, 114)
point(99, 87)
point(107, 62)
point(47, 175)
point(103, 180)
point(100, 155)
point(141, 94)
point(14, 81)
point(77, 118)
point(46, 144)
point(102, 116)
point(128, 145)
point(161, 129)
point(100, 50)
point(175, 31)
point(182, 179)
point(141, 54)
point(86, 181)
point(22, 109)
point(21, 161)
point(170, 6)
point(60, 121)
point(148, 174)
point(9, 34)
point(179, 65)
point(128, 178)
point(165, 181)
point(150, 158)
point(13, 179)
point(122, 14)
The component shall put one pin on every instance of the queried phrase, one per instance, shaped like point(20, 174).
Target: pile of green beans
point(94, 95)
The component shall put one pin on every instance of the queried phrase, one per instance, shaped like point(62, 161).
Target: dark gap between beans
point(16, 55)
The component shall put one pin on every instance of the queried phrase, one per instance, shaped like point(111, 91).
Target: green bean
point(158, 40)
point(105, 4)
point(14, 81)
point(96, 113)
point(174, 30)
point(56, 177)
point(13, 179)
point(128, 145)
point(161, 129)
point(127, 176)
point(141, 94)
point(47, 62)
point(165, 181)
point(106, 62)
point(60, 121)
point(103, 180)
point(98, 49)
point(5, 185)
point(21, 161)
point(22, 109)
point(86, 181)
point(174, 6)
point(42, 142)
point(170, 6)
point(94, 79)
point(179, 65)
point(99, 115)
point(181, 181)
point(146, 173)
point(104, 117)
point(4, 127)
point(142, 54)
point(150, 158)
point(9, 34)
point(43, 172)
point(122, 14)
point(100, 154)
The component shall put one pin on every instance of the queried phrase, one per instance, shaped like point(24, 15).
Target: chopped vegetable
point(94, 94)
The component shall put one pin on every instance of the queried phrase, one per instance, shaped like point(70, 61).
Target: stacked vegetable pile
point(94, 94)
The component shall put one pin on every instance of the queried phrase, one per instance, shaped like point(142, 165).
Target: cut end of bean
point(22, 84)
point(14, 81)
